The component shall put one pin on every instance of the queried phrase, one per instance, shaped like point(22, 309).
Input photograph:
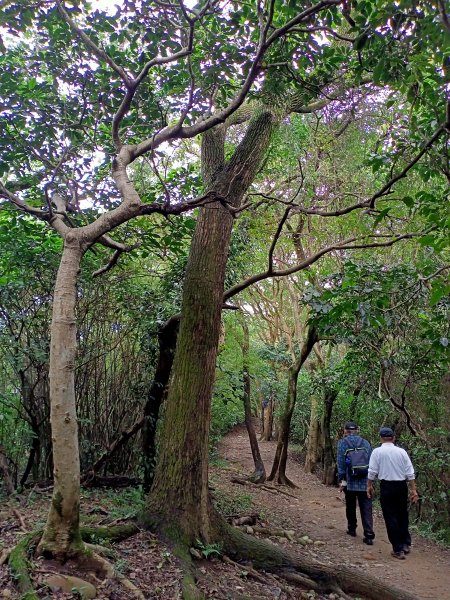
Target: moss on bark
point(189, 590)
point(20, 565)
point(113, 534)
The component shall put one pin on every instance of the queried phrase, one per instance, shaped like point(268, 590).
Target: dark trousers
point(365, 509)
point(394, 504)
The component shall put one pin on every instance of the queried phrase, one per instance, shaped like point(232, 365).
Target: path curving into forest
point(318, 511)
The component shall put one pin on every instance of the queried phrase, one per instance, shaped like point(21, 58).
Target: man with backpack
point(353, 454)
point(394, 469)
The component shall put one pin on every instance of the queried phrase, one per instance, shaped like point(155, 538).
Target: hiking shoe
point(351, 532)
point(400, 555)
point(406, 549)
point(368, 541)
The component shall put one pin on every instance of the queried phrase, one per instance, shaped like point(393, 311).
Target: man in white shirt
point(393, 468)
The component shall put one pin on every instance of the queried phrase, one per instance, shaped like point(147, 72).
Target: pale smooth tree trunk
point(61, 537)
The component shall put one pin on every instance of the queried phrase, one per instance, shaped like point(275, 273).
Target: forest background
point(276, 181)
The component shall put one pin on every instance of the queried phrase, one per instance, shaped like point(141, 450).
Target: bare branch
point(23, 206)
point(276, 237)
point(436, 273)
point(110, 264)
point(347, 244)
point(386, 188)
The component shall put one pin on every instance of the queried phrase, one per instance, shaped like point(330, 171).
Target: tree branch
point(98, 52)
point(386, 188)
point(345, 245)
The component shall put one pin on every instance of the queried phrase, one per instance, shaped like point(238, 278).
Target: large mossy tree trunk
point(259, 474)
point(179, 497)
point(61, 538)
point(278, 471)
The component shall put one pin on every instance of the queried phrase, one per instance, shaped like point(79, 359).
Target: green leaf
point(408, 201)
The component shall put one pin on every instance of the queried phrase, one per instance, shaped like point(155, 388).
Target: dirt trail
point(318, 511)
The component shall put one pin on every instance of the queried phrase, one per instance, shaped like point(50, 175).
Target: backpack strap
point(358, 444)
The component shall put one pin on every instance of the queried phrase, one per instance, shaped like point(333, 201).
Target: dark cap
point(351, 426)
point(386, 432)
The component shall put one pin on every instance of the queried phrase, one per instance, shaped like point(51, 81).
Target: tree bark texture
point(179, 496)
point(267, 419)
point(279, 464)
point(312, 447)
point(328, 458)
point(259, 474)
point(4, 471)
point(61, 536)
point(167, 339)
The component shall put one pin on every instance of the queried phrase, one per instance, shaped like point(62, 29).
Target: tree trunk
point(179, 497)
point(259, 474)
point(181, 478)
point(329, 462)
point(266, 419)
point(35, 453)
point(61, 538)
point(312, 449)
point(167, 339)
point(280, 460)
point(4, 470)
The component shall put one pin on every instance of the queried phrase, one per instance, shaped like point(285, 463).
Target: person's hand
point(414, 496)
point(369, 491)
point(342, 486)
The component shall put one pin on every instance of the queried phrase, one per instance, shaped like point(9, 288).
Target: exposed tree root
point(279, 491)
point(110, 573)
point(189, 590)
point(302, 580)
point(20, 566)
point(113, 534)
point(4, 556)
point(258, 577)
point(257, 477)
point(18, 557)
point(102, 550)
point(19, 517)
point(267, 556)
point(269, 488)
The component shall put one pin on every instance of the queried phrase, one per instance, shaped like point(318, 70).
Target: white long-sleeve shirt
point(391, 463)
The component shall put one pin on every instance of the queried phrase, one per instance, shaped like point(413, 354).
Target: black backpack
point(357, 460)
